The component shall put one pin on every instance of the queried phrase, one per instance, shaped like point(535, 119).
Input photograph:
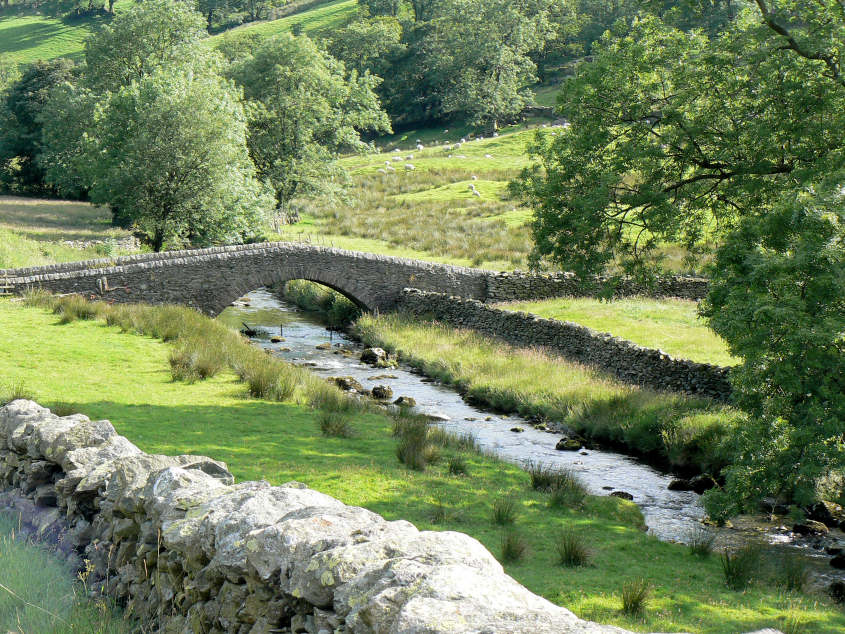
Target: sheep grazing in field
point(389, 169)
point(488, 156)
point(457, 146)
point(495, 135)
point(471, 187)
point(397, 159)
point(477, 193)
point(419, 147)
point(410, 157)
point(381, 170)
point(409, 167)
point(474, 177)
point(463, 140)
point(387, 163)
point(450, 156)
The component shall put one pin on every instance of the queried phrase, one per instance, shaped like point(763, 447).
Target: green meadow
point(98, 370)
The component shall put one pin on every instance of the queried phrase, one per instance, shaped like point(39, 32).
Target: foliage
point(156, 34)
point(731, 138)
point(635, 594)
point(778, 299)
point(304, 109)
point(504, 511)
point(571, 549)
point(169, 151)
point(21, 105)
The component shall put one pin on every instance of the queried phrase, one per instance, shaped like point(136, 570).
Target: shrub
point(457, 465)
point(268, 380)
point(196, 358)
point(571, 549)
point(334, 424)
point(504, 511)
point(546, 477)
point(513, 546)
point(740, 566)
point(635, 595)
point(700, 542)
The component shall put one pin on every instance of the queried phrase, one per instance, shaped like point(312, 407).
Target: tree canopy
point(731, 139)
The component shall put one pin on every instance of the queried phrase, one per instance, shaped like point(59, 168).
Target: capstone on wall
point(621, 358)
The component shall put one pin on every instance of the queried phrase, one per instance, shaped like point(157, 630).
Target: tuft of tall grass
point(635, 594)
point(514, 546)
point(63, 408)
point(504, 511)
point(71, 308)
point(793, 574)
point(195, 359)
point(740, 566)
point(14, 390)
point(700, 542)
point(334, 424)
point(457, 465)
point(571, 548)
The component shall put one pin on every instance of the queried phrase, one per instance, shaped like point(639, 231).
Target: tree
point(169, 151)
point(368, 45)
point(20, 127)
point(733, 140)
point(155, 34)
point(377, 8)
point(778, 299)
point(675, 136)
point(304, 110)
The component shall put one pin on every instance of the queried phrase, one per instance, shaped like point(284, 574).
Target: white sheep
point(409, 167)
point(420, 147)
point(471, 187)
point(397, 159)
point(457, 146)
point(463, 140)
point(381, 170)
point(495, 135)
point(475, 192)
point(488, 156)
point(450, 156)
point(410, 157)
point(474, 177)
point(418, 141)
point(387, 163)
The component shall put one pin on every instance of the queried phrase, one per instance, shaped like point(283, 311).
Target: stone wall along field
point(187, 550)
point(623, 359)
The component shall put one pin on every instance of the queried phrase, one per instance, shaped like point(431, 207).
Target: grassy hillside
point(33, 232)
point(315, 21)
point(672, 325)
point(106, 374)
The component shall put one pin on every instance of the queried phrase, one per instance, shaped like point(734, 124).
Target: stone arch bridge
point(210, 279)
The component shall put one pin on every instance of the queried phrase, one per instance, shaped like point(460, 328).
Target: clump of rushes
point(13, 391)
point(514, 546)
point(568, 491)
point(195, 359)
point(571, 548)
point(794, 574)
point(75, 307)
point(700, 542)
point(635, 595)
point(457, 465)
point(334, 424)
point(740, 566)
point(504, 511)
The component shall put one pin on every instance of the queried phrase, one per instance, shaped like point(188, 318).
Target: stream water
point(669, 515)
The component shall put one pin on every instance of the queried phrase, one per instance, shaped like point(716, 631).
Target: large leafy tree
point(304, 110)
point(733, 139)
point(169, 151)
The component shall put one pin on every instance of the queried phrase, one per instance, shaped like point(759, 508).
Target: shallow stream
point(669, 515)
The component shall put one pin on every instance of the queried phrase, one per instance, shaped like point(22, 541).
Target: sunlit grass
point(672, 325)
point(126, 378)
point(40, 593)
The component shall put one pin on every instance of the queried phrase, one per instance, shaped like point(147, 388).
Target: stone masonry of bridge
point(210, 279)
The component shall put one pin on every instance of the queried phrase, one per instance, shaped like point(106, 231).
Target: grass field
point(33, 231)
point(315, 22)
point(39, 592)
point(672, 325)
point(124, 377)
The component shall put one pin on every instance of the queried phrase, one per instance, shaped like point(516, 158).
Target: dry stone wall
point(621, 358)
point(188, 550)
point(209, 279)
point(519, 286)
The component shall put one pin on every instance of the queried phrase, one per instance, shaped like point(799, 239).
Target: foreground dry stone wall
point(621, 358)
point(188, 550)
